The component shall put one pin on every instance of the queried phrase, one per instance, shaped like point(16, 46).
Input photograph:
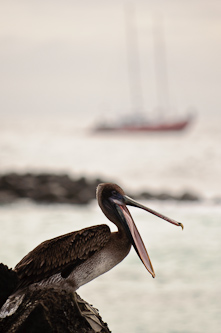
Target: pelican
point(76, 258)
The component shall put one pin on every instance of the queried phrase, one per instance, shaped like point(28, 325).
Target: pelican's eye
point(116, 197)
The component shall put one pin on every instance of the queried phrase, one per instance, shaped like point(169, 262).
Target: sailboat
point(137, 121)
point(144, 126)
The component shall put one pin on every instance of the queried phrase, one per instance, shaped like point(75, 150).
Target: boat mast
point(160, 61)
point(133, 60)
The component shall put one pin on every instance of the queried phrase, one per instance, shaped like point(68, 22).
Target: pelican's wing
point(61, 254)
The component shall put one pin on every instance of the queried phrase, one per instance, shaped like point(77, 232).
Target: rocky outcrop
point(48, 310)
point(186, 196)
point(54, 188)
point(47, 188)
point(8, 283)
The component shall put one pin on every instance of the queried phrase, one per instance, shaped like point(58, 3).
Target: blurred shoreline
point(61, 188)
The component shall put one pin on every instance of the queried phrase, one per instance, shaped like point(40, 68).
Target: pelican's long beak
point(134, 233)
point(130, 202)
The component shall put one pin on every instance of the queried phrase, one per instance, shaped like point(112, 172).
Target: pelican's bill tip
point(181, 225)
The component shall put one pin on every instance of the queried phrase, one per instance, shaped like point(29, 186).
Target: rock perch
point(45, 310)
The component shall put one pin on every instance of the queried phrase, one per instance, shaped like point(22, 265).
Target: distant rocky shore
point(61, 188)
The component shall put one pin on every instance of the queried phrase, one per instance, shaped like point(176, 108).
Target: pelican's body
point(74, 259)
point(96, 252)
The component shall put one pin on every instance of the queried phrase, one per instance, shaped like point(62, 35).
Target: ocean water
point(185, 295)
point(188, 160)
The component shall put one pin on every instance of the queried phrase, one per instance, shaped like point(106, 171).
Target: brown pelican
point(74, 259)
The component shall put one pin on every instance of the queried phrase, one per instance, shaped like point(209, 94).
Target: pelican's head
point(113, 203)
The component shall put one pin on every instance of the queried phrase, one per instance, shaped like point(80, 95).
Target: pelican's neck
point(102, 261)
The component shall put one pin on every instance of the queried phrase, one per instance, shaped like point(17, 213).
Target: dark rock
point(7, 196)
point(47, 188)
point(52, 188)
point(188, 197)
point(146, 196)
point(51, 310)
point(8, 282)
point(167, 196)
point(44, 309)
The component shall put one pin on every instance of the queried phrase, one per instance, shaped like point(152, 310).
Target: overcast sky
point(71, 56)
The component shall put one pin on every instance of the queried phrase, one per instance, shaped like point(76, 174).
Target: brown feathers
point(61, 254)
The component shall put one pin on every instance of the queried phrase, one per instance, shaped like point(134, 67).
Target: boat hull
point(162, 127)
